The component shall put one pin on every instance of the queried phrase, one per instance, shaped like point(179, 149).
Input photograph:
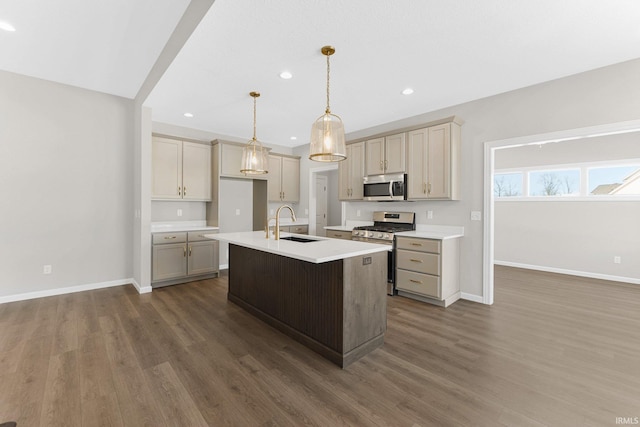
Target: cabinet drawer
point(418, 283)
point(338, 234)
point(299, 229)
point(198, 236)
point(162, 238)
point(421, 262)
point(416, 244)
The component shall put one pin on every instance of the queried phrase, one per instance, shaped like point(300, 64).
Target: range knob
point(379, 235)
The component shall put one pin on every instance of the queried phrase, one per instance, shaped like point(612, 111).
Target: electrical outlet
point(429, 214)
point(272, 212)
point(46, 269)
point(358, 212)
point(476, 216)
point(237, 212)
point(617, 260)
point(366, 260)
point(179, 213)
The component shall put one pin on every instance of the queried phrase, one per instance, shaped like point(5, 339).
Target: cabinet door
point(166, 165)
point(416, 164)
point(374, 164)
point(196, 171)
point(202, 257)
point(231, 160)
point(274, 177)
point(356, 168)
point(395, 153)
point(439, 162)
point(344, 176)
point(169, 261)
point(290, 179)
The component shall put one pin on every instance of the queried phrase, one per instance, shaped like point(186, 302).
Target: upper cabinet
point(283, 179)
point(386, 155)
point(433, 162)
point(181, 170)
point(351, 172)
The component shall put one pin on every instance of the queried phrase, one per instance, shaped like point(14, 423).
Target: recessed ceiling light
point(407, 91)
point(188, 115)
point(6, 26)
point(286, 75)
point(293, 138)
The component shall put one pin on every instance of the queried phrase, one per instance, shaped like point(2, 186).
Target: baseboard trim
point(224, 266)
point(569, 272)
point(67, 290)
point(141, 289)
point(471, 297)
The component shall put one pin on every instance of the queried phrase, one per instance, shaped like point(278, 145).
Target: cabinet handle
point(184, 191)
point(184, 251)
point(381, 168)
point(429, 188)
point(179, 191)
point(169, 237)
point(416, 244)
point(424, 188)
point(416, 281)
point(189, 250)
point(386, 163)
point(416, 260)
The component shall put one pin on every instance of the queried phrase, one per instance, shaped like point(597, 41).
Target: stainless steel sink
point(299, 239)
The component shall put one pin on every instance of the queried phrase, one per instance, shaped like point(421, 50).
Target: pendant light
point(327, 133)
point(255, 159)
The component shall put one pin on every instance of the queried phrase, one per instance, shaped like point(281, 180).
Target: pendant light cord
point(328, 111)
point(254, 118)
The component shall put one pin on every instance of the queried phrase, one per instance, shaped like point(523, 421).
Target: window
point(609, 180)
point(564, 182)
point(507, 184)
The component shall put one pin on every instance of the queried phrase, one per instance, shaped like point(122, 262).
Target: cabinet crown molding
point(451, 119)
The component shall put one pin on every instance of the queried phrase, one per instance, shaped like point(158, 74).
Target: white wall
point(66, 172)
point(236, 209)
point(606, 95)
point(579, 237)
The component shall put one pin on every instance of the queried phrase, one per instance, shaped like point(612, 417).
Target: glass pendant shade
point(255, 159)
point(327, 139)
point(327, 133)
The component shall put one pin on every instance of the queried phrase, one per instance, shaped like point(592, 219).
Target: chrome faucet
point(277, 230)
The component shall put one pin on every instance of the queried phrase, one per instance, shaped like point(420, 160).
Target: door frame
point(312, 195)
point(489, 162)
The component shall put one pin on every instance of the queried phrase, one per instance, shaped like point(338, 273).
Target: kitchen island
point(328, 294)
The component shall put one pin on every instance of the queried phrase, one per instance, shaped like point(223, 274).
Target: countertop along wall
point(66, 168)
point(606, 95)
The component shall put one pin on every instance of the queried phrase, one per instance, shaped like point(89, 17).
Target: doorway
point(334, 208)
point(489, 166)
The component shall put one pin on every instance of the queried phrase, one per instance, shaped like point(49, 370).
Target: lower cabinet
point(295, 229)
point(183, 257)
point(339, 234)
point(428, 269)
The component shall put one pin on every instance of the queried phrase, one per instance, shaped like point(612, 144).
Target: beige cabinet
point(339, 234)
point(283, 180)
point(181, 170)
point(351, 173)
point(386, 155)
point(433, 162)
point(428, 269)
point(181, 257)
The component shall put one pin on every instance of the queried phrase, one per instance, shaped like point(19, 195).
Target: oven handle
point(391, 188)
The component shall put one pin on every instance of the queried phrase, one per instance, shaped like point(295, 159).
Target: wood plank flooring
point(552, 351)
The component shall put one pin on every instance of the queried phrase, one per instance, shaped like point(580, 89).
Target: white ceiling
point(449, 52)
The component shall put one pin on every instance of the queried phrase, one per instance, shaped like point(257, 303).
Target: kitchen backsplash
point(169, 210)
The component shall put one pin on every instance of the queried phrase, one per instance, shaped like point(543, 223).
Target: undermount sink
point(298, 239)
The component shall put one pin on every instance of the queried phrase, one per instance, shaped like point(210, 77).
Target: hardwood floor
point(553, 350)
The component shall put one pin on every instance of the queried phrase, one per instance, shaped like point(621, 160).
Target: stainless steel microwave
point(385, 187)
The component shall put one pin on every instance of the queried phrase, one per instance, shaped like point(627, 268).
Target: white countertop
point(440, 232)
point(324, 250)
point(177, 226)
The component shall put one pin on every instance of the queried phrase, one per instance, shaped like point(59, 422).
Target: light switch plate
point(429, 214)
point(476, 216)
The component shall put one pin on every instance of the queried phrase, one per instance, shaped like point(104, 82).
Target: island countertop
point(322, 250)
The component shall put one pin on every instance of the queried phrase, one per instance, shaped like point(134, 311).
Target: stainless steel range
point(385, 224)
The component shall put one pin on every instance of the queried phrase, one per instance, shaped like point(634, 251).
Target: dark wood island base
point(336, 308)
